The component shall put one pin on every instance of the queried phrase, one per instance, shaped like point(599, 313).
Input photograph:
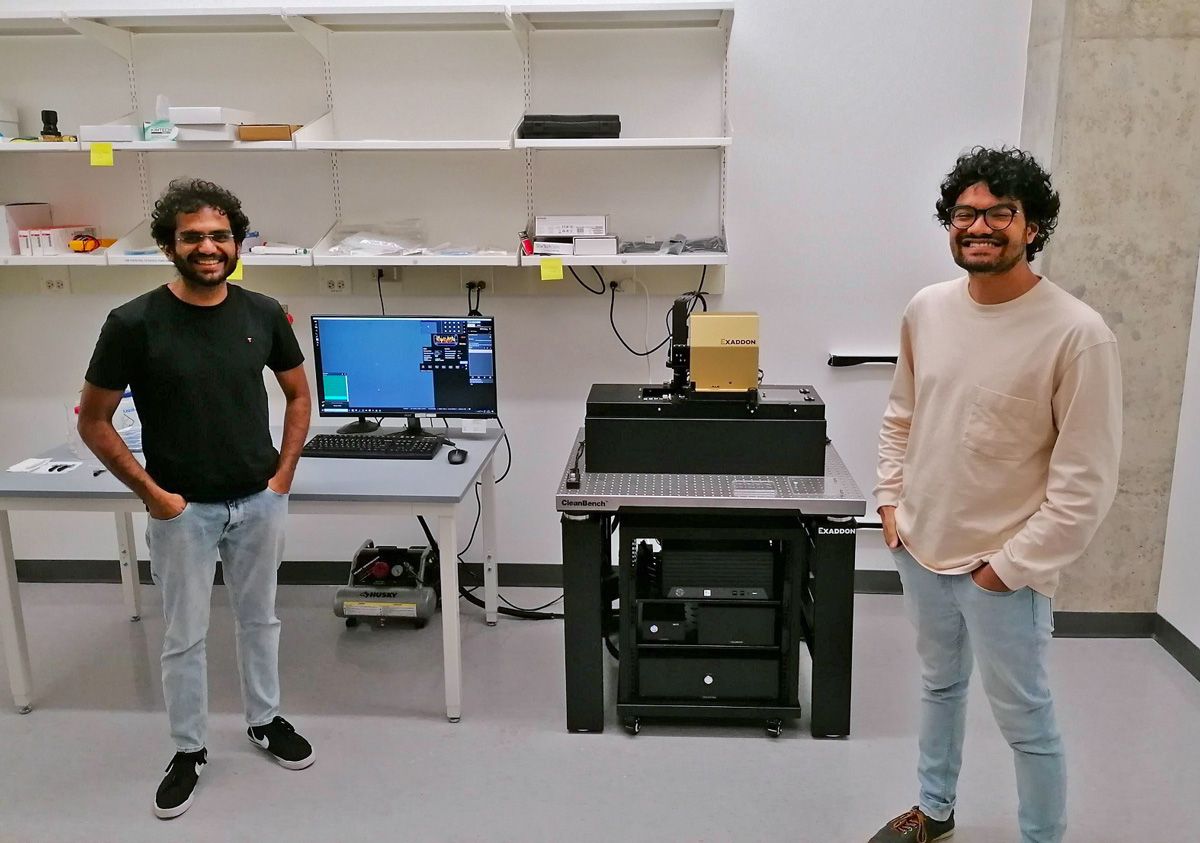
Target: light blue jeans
point(958, 622)
point(248, 535)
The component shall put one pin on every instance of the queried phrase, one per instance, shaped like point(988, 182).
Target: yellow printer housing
point(723, 351)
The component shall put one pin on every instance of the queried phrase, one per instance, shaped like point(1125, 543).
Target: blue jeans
point(248, 535)
point(1008, 633)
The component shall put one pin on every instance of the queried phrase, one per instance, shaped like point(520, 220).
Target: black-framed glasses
point(194, 238)
point(997, 217)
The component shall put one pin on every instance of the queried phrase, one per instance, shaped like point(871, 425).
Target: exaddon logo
point(739, 342)
point(836, 531)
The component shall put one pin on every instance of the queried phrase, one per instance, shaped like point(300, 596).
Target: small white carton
point(17, 215)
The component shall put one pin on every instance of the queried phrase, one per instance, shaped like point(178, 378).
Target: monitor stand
point(363, 425)
point(414, 429)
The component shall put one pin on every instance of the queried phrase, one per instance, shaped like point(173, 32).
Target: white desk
point(395, 488)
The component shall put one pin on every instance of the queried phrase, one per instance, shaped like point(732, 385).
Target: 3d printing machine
point(713, 417)
point(730, 503)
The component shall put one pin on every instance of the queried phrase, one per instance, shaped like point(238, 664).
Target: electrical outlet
point(334, 281)
point(56, 283)
point(621, 285)
point(482, 278)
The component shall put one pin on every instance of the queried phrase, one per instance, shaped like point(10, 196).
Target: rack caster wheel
point(633, 725)
point(774, 728)
point(351, 623)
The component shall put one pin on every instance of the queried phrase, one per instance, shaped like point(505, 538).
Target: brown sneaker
point(914, 827)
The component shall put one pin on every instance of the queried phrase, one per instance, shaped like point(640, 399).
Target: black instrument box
point(775, 430)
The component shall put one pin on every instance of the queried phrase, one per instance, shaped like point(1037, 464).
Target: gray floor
point(85, 763)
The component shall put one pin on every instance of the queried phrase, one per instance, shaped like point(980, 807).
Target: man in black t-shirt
point(193, 352)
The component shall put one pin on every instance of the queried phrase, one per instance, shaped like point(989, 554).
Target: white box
point(206, 132)
point(596, 245)
point(553, 247)
point(592, 225)
point(192, 114)
point(17, 215)
point(111, 133)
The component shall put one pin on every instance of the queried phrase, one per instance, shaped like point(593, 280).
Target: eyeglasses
point(194, 238)
point(997, 217)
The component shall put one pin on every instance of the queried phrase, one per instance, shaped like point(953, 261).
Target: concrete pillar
point(1112, 106)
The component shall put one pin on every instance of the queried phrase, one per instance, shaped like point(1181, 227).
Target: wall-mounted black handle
point(842, 360)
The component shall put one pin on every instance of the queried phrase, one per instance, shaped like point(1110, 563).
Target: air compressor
point(390, 582)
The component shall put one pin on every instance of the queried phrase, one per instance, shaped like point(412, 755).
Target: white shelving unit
point(39, 148)
point(196, 146)
point(96, 258)
point(412, 111)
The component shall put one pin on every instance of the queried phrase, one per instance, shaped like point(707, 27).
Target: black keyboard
point(372, 447)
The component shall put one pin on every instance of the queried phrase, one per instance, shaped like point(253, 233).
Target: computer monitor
point(404, 366)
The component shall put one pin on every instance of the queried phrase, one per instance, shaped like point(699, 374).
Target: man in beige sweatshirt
point(997, 462)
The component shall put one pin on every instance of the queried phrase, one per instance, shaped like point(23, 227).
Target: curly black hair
point(186, 196)
point(1007, 172)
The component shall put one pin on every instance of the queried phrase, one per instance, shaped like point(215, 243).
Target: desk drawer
point(691, 677)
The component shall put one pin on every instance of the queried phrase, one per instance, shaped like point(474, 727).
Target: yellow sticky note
point(102, 155)
point(236, 275)
point(552, 269)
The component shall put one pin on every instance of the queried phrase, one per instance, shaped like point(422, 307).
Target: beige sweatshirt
point(1002, 434)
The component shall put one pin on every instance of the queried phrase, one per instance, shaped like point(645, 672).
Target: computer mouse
point(457, 456)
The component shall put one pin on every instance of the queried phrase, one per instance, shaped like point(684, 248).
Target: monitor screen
point(405, 365)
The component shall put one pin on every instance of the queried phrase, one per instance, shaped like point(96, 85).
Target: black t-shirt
point(196, 374)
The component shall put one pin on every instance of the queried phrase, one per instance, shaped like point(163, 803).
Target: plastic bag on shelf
point(406, 237)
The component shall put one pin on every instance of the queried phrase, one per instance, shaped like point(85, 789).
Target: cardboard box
point(266, 131)
point(593, 225)
point(208, 114)
point(596, 245)
point(206, 132)
point(17, 215)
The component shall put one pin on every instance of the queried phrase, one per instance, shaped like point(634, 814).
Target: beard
point(998, 263)
point(191, 275)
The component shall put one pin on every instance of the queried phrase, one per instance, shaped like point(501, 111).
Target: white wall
point(1180, 583)
point(845, 117)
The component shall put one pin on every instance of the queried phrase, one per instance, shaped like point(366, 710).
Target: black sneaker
point(915, 827)
point(174, 795)
point(280, 739)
